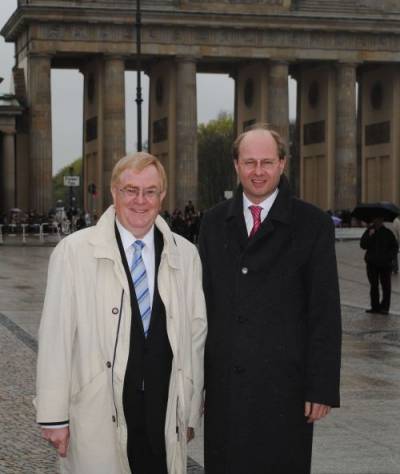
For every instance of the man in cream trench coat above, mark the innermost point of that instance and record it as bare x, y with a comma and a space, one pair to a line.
89, 326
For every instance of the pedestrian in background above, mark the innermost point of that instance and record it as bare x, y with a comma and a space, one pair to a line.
381, 248
395, 228
273, 348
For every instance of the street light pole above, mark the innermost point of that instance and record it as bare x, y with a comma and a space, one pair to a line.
139, 99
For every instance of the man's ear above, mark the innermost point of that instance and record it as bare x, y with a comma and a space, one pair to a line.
283, 162
113, 193
162, 196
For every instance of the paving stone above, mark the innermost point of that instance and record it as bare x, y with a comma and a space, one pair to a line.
362, 437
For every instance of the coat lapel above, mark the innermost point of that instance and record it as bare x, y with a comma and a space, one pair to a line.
106, 247
236, 233
156, 303
280, 213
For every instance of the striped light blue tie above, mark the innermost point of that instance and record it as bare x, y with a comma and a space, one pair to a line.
139, 278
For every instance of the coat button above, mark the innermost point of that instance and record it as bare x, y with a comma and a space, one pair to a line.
113, 418
245, 270
108, 364
238, 370
115, 310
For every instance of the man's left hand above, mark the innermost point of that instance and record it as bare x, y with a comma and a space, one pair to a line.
189, 434
315, 411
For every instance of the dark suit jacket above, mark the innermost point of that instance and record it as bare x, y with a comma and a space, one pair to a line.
274, 334
149, 359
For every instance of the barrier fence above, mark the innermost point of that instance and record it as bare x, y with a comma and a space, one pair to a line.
19, 233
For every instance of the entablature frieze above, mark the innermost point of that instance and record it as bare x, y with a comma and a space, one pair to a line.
224, 42
280, 19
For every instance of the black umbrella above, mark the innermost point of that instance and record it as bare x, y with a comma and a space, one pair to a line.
369, 211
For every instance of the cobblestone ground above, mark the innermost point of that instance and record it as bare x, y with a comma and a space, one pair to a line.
21, 448
360, 438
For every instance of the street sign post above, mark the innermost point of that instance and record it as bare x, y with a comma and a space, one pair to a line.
72, 181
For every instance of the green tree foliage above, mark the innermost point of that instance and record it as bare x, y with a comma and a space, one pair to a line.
61, 192
216, 171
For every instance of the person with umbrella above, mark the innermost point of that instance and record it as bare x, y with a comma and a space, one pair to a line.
395, 228
381, 247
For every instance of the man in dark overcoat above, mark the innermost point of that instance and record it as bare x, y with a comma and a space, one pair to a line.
272, 361
381, 249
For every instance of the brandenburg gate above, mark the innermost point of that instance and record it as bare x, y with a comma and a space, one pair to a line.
345, 57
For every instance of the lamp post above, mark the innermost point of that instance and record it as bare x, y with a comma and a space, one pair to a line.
139, 99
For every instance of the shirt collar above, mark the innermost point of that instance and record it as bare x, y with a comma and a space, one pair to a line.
265, 205
127, 238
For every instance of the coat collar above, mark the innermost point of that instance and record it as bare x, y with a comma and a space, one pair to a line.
105, 244
170, 247
280, 211
103, 238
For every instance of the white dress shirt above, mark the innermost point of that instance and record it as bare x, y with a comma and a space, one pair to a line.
265, 205
148, 253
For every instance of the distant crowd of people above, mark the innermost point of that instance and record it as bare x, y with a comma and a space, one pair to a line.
57, 220
186, 223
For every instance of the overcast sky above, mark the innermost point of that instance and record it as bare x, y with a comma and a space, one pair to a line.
215, 93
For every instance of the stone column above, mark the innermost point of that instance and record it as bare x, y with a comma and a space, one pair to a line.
40, 150
278, 99
8, 169
186, 133
346, 137
113, 120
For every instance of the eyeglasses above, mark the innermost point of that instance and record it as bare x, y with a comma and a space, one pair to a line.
150, 194
251, 164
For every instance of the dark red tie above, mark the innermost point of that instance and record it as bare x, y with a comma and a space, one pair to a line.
256, 213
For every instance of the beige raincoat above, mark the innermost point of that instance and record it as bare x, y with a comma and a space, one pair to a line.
84, 340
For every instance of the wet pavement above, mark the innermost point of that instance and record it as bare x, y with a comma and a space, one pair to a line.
362, 437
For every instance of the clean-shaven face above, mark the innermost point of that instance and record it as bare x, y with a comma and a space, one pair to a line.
137, 199
258, 167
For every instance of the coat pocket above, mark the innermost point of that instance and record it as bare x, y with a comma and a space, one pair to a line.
92, 428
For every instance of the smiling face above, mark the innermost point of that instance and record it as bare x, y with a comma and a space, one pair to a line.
258, 166
138, 213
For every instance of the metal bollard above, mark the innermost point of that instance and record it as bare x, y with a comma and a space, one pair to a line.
41, 233
12, 230
24, 226
1, 233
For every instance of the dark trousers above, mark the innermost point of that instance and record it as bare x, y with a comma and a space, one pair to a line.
144, 457
383, 276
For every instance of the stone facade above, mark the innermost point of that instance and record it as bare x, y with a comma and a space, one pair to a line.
10, 113
261, 41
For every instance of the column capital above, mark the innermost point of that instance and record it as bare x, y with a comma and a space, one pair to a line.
186, 58
347, 64
39, 55
113, 57
8, 131
278, 62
